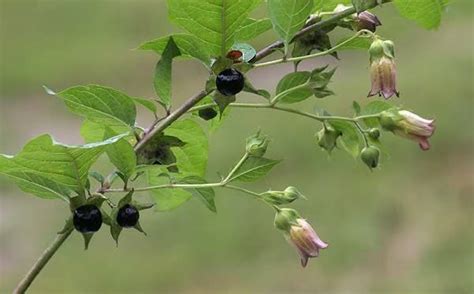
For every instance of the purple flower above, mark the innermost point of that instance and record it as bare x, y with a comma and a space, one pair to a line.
409, 125
367, 21
306, 240
383, 73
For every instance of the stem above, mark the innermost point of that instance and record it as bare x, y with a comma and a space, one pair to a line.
41, 262
236, 167
319, 54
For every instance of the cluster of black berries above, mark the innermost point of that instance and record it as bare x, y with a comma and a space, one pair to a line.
88, 218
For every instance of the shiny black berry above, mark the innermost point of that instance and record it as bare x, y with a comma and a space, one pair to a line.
128, 216
207, 113
229, 82
87, 218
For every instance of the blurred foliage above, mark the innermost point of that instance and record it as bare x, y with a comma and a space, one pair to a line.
404, 227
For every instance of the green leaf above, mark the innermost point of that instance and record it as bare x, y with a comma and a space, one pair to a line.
165, 199
253, 169
52, 170
294, 88
222, 101
95, 132
252, 28
360, 42
122, 155
188, 45
162, 80
288, 17
350, 139
191, 158
101, 105
206, 195
426, 13
328, 5
214, 22
147, 103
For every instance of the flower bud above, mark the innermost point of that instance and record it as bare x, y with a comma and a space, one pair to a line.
382, 69
287, 196
374, 133
327, 138
366, 21
408, 125
370, 156
257, 145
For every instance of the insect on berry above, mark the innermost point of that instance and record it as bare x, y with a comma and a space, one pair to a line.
87, 218
230, 82
127, 216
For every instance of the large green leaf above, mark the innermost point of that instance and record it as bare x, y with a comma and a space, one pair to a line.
189, 46
294, 87
191, 158
95, 132
206, 195
350, 139
100, 104
121, 154
214, 22
165, 199
52, 170
426, 13
252, 28
253, 169
288, 17
162, 79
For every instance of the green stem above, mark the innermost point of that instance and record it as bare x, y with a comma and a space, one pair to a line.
319, 54
236, 167
41, 262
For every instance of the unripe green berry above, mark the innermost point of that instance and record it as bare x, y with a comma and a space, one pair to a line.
370, 156
374, 133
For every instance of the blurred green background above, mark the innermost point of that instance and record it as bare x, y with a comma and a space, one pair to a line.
404, 228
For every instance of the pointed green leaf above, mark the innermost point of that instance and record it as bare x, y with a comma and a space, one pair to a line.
188, 45
52, 170
162, 80
214, 22
252, 28
100, 105
253, 169
426, 13
165, 199
294, 88
288, 17
191, 158
206, 195
350, 139
95, 132
122, 155
147, 103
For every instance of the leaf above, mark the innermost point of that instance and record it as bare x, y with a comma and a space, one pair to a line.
360, 42
249, 87
288, 17
162, 80
253, 169
222, 101
374, 107
52, 170
188, 45
101, 105
206, 195
252, 28
356, 107
293, 88
165, 199
147, 103
426, 13
95, 132
328, 5
122, 155
350, 139
191, 158
214, 22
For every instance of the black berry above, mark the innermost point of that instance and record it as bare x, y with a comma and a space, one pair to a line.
87, 218
127, 216
207, 113
229, 82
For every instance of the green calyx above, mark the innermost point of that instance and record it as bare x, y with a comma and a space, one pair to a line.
285, 218
327, 138
256, 145
370, 156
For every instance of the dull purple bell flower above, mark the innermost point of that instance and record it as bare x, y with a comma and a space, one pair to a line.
367, 21
382, 69
409, 125
300, 233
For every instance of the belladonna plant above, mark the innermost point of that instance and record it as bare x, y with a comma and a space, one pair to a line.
168, 158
